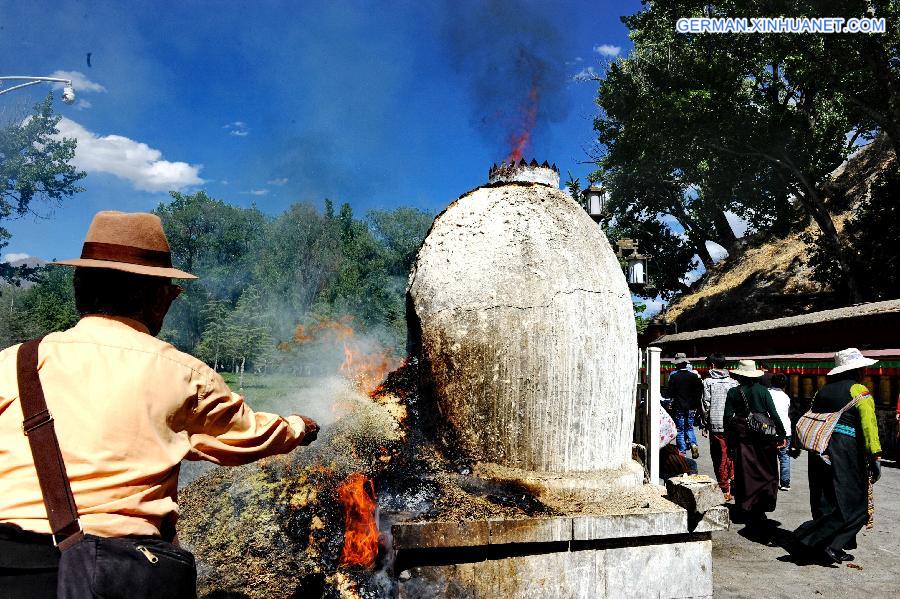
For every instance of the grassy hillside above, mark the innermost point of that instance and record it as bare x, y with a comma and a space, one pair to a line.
771, 277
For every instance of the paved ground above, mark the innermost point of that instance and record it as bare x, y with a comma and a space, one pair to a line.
744, 568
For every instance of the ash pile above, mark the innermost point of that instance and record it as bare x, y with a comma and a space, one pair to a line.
316, 523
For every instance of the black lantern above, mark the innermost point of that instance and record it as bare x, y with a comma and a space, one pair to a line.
594, 199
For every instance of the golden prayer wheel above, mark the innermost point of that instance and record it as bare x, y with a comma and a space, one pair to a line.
808, 389
821, 381
795, 385
884, 390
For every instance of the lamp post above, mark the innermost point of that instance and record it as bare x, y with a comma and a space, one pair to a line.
68, 95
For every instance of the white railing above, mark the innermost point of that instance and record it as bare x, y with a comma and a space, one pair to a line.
652, 408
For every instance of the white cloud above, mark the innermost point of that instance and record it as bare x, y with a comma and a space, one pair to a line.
79, 81
280, 181
127, 159
82, 104
716, 251
12, 257
256, 192
238, 128
585, 74
607, 50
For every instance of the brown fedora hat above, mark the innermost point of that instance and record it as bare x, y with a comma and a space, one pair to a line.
128, 241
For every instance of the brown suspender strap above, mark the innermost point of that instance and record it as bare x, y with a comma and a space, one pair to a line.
48, 461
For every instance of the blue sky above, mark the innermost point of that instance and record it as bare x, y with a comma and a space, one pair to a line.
379, 104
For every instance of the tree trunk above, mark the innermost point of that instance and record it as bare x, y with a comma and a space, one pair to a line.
725, 235
892, 130
241, 378
879, 62
696, 237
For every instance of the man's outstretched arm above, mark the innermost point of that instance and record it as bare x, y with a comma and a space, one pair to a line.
224, 430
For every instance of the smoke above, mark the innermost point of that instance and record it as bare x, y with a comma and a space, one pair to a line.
326, 374
512, 55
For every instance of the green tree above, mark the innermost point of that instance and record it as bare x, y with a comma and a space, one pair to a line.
15, 325
246, 334
573, 185
35, 164
301, 255
217, 242
400, 232
872, 238
49, 305
862, 68
696, 125
213, 345
361, 286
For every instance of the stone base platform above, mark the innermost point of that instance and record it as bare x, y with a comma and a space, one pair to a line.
654, 549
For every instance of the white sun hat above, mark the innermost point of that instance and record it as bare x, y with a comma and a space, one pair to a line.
748, 369
849, 359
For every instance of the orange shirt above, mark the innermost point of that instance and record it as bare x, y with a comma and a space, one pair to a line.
127, 409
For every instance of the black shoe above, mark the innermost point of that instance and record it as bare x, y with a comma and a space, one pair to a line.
844, 556
830, 557
784, 488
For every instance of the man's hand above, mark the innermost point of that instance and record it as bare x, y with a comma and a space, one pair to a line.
875, 469
312, 430
704, 432
782, 444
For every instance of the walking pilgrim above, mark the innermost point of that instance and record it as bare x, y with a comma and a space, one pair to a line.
109, 412
715, 390
755, 433
776, 384
685, 390
841, 434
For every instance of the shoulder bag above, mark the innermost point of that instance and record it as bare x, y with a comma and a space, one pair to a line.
758, 422
814, 429
92, 566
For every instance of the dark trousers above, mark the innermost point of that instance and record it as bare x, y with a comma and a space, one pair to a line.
28, 565
816, 473
27, 583
842, 499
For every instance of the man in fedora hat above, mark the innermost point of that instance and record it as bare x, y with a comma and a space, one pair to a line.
127, 408
839, 485
685, 390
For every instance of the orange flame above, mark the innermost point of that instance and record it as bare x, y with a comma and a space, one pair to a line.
357, 496
367, 369
519, 141
340, 329
366, 363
